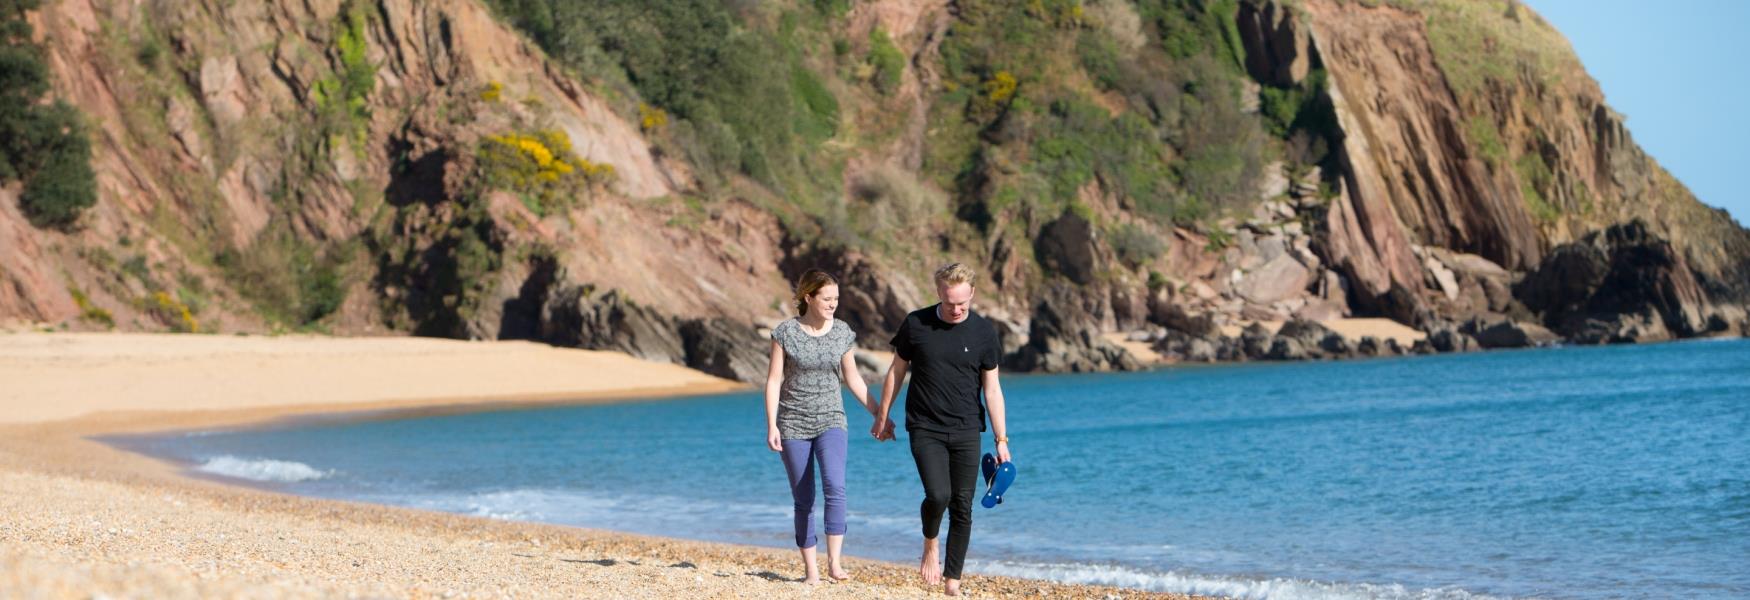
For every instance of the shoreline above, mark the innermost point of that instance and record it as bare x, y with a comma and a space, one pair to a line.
97, 518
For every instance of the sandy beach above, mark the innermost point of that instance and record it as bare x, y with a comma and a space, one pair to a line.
83, 519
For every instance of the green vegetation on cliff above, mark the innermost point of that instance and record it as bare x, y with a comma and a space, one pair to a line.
43, 145
1035, 103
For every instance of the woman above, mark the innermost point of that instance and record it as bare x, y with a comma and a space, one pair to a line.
805, 417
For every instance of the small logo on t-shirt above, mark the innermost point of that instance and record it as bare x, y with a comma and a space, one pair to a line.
965, 349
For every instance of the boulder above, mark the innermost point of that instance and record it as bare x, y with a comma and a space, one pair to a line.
1178, 346
1320, 310
1277, 279
1621, 329
1508, 333
1177, 318
1310, 334
1285, 348
1255, 341
1368, 346
1334, 345
1450, 339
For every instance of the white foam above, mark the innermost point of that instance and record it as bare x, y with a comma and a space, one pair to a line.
1213, 585
667, 515
261, 469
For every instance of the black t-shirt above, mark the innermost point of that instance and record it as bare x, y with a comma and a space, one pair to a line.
947, 360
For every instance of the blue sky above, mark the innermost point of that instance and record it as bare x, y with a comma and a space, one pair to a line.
1673, 67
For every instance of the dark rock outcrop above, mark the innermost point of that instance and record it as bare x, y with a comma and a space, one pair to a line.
1178, 346
579, 317
1064, 338
1066, 246
1445, 337
576, 316
1278, 49
726, 348
1620, 284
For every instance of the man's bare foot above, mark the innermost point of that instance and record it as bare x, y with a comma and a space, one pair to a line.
951, 587
930, 567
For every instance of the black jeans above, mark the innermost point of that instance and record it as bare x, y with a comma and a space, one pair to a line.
948, 466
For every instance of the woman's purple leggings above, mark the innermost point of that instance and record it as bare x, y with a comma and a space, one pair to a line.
799, 457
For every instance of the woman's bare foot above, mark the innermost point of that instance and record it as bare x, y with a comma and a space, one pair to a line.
951, 587
930, 567
834, 549
812, 576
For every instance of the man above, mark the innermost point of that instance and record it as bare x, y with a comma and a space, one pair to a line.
952, 355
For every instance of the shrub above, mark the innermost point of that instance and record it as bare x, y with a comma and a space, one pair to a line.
63, 184
888, 61
540, 167
1135, 246
287, 280
171, 312
341, 99
820, 120
89, 312
890, 200
1080, 142
650, 118
1099, 56
42, 144
1288, 109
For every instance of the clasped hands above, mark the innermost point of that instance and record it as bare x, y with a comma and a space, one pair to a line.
882, 430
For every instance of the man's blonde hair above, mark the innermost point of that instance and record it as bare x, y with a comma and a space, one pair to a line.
953, 274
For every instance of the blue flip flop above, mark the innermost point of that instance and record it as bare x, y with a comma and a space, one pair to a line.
997, 480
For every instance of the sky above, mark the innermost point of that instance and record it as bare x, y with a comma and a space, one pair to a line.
1673, 68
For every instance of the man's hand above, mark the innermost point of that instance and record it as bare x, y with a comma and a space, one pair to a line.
774, 441
888, 434
1002, 452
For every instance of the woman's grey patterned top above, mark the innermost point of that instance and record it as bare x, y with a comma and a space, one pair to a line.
809, 402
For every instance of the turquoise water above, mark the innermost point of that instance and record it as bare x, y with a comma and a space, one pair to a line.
1569, 473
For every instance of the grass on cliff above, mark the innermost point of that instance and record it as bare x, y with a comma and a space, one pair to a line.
1477, 41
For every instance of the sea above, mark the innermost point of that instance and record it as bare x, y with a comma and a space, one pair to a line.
1580, 472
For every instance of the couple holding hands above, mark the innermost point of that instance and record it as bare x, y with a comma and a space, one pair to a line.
951, 354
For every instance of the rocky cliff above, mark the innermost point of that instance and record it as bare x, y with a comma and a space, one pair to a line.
1189, 175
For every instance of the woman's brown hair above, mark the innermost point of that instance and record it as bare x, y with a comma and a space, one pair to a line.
808, 284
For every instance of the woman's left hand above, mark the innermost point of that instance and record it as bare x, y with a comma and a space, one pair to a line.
1002, 452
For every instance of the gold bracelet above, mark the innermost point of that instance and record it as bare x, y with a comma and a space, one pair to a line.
1002, 440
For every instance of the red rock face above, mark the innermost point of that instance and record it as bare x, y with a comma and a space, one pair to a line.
1405, 143
1414, 175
